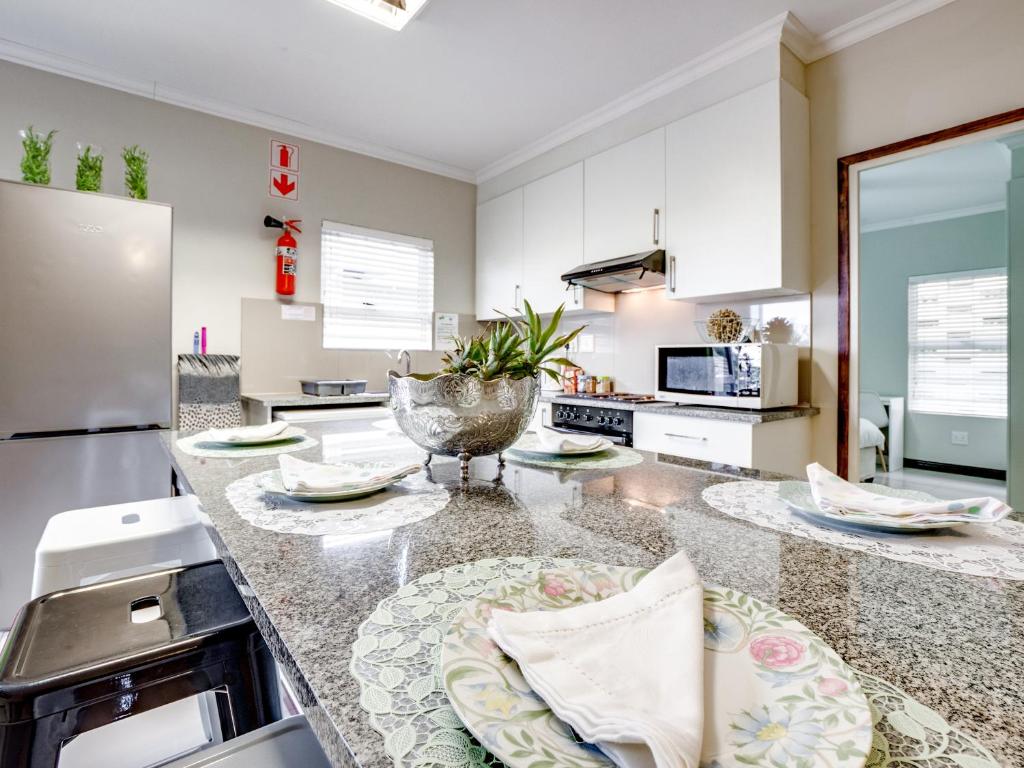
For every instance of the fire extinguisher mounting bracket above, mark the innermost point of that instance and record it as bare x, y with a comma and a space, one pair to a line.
272, 223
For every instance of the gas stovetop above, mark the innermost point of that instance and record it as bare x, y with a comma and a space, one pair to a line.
616, 397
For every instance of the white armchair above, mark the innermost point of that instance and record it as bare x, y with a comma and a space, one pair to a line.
873, 418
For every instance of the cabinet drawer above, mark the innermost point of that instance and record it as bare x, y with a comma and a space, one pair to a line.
723, 442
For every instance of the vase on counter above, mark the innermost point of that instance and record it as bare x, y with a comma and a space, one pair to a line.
462, 415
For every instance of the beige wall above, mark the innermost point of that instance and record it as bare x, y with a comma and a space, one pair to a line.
961, 62
214, 172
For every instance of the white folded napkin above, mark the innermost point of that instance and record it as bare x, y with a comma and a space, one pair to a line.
559, 442
245, 434
627, 673
307, 477
833, 494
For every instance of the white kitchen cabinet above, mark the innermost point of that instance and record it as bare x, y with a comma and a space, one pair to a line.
774, 446
738, 196
553, 244
624, 198
499, 255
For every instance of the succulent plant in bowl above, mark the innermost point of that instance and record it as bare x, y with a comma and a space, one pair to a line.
482, 400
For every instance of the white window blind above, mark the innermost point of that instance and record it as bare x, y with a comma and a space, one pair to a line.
957, 343
377, 289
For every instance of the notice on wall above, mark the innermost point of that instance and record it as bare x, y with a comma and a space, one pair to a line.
306, 312
284, 170
446, 328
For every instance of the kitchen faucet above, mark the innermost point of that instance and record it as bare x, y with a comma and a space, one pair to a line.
408, 360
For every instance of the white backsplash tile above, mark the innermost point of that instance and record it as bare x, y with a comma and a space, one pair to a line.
624, 341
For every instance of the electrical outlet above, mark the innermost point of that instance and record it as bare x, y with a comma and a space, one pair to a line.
959, 438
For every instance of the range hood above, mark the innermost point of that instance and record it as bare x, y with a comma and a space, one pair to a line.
641, 270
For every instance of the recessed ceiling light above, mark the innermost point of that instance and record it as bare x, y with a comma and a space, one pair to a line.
393, 14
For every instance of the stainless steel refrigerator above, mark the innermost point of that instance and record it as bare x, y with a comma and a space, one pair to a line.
85, 362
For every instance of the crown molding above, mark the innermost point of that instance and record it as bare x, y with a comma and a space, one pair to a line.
929, 218
785, 28
738, 48
79, 70
869, 25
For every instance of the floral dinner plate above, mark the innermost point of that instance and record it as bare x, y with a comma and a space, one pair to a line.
288, 434
797, 496
775, 693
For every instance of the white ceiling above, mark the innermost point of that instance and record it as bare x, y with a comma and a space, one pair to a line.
953, 182
464, 85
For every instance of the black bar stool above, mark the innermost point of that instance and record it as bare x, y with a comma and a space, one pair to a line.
86, 657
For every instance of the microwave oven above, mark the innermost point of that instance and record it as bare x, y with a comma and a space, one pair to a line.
732, 375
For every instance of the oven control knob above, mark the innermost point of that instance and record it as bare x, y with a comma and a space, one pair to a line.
617, 421
589, 417
560, 414
601, 419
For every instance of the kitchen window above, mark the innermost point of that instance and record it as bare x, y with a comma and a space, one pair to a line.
377, 288
957, 343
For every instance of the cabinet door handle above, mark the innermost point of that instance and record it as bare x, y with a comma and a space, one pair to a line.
518, 299
686, 437
672, 274
577, 294
657, 225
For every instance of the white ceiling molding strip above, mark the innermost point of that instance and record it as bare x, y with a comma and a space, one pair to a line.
869, 25
928, 218
738, 48
785, 28
68, 67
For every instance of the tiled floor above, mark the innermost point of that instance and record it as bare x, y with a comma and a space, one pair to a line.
943, 485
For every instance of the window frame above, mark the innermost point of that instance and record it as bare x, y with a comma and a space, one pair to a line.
912, 347
421, 243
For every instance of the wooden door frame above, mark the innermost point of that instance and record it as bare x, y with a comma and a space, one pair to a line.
845, 168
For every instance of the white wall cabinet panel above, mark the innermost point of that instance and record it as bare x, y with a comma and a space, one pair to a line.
553, 243
737, 190
624, 198
499, 255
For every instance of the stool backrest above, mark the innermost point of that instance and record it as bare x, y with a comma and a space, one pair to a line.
208, 392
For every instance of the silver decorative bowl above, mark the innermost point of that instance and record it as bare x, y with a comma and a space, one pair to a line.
459, 415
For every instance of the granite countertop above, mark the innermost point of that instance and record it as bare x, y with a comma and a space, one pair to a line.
297, 399
954, 642
742, 415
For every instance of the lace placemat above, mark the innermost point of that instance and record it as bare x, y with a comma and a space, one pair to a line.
614, 458
195, 446
396, 661
413, 499
978, 550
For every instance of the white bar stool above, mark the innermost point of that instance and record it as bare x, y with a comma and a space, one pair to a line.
285, 744
86, 546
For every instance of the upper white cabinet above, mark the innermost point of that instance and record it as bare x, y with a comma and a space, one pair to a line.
624, 198
738, 194
499, 255
553, 243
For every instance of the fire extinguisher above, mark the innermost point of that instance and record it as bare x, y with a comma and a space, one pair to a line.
287, 253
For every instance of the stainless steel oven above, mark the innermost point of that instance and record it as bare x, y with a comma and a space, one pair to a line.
733, 375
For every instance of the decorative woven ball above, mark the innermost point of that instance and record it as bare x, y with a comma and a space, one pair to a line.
725, 326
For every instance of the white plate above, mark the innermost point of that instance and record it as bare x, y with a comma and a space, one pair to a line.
530, 443
272, 484
289, 433
775, 694
797, 496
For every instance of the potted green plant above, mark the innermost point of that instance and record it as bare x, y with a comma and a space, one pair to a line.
35, 163
89, 172
136, 172
482, 400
